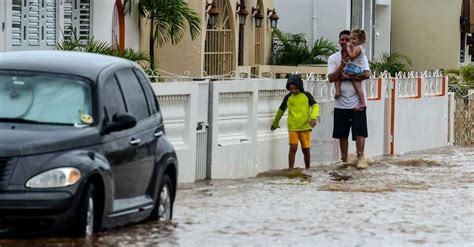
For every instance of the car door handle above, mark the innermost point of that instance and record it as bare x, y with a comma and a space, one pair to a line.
135, 142
158, 134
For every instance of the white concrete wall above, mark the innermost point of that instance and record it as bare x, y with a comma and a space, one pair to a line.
102, 13
178, 103
242, 144
421, 122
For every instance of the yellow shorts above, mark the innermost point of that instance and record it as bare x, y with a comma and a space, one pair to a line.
303, 136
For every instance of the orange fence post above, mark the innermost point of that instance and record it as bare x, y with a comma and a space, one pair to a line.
392, 119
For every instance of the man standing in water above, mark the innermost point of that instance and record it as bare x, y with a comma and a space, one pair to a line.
346, 117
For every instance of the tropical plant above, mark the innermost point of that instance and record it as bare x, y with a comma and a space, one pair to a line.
168, 20
463, 81
293, 49
322, 49
101, 47
391, 62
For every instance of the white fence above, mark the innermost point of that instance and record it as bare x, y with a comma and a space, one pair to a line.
404, 114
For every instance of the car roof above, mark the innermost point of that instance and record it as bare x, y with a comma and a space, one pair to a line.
82, 64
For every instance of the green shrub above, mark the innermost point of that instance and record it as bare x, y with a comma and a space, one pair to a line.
293, 49
391, 62
450, 71
467, 72
102, 47
462, 82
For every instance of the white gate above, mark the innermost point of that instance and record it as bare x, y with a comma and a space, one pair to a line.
202, 171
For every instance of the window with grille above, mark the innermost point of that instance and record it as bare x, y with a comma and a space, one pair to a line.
34, 24
219, 52
77, 19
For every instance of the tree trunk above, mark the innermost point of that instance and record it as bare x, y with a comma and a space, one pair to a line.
152, 45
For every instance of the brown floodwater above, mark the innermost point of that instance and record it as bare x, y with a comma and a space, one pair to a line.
415, 199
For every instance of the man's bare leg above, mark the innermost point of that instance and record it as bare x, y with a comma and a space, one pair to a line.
360, 146
344, 146
292, 155
307, 157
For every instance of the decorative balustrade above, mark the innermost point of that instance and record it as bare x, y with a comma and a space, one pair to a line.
174, 115
233, 117
268, 103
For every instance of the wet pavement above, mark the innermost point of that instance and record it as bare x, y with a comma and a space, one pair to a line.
416, 199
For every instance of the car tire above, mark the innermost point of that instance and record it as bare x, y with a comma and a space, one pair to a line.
163, 210
86, 222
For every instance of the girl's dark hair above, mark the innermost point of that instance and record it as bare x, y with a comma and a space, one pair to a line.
360, 33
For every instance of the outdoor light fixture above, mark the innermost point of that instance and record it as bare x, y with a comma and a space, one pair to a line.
257, 15
213, 12
242, 12
273, 17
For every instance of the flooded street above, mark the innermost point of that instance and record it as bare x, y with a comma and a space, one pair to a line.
422, 198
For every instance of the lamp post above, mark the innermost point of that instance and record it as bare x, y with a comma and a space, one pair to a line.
273, 17
257, 15
213, 12
242, 12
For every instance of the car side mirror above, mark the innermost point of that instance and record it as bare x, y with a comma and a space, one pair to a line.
120, 121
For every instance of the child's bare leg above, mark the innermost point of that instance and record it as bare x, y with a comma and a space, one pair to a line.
292, 155
337, 86
360, 93
307, 157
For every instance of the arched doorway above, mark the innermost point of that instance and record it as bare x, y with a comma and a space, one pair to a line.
219, 51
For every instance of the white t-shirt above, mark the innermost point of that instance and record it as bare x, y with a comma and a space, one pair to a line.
349, 98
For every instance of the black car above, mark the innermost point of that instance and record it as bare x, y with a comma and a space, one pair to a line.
82, 145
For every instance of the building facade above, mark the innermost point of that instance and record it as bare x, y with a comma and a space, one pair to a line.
223, 47
41, 24
429, 32
326, 18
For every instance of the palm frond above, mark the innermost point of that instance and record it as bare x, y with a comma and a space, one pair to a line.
101, 47
391, 62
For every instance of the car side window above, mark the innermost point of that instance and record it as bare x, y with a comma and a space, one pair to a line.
133, 93
152, 102
113, 98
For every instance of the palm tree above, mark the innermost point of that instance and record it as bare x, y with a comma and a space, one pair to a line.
168, 20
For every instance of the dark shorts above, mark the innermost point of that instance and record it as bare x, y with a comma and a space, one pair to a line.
347, 119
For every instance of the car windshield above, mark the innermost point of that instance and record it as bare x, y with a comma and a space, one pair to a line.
32, 97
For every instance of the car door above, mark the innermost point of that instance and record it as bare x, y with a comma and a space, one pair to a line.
137, 105
117, 148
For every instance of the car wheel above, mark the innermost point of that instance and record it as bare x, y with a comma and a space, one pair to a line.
85, 217
163, 210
